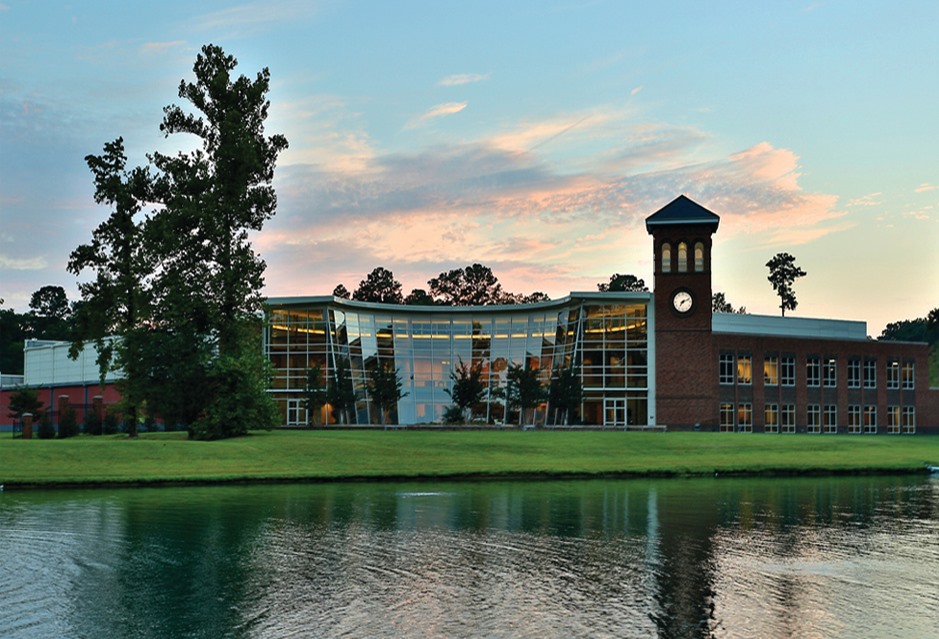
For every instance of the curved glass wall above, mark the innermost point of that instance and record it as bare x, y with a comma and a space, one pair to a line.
604, 336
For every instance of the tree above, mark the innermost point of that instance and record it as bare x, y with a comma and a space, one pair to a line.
782, 273
314, 394
49, 314
340, 392
385, 389
474, 285
116, 301
524, 390
419, 297
209, 278
379, 286
517, 298
25, 400
467, 387
565, 392
341, 292
619, 283
14, 330
719, 304
68, 423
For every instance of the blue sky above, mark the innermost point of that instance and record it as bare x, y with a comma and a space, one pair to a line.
533, 137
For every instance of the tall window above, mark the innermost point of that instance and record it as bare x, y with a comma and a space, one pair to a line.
830, 372
831, 418
893, 374
854, 418
787, 370
666, 258
744, 369
771, 370
745, 418
870, 418
727, 417
893, 419
908, 425
698, 257
870, 373
726, 368
812, 371
682, 257
906, 375
787, 418
814, 423
771, 418
854, 373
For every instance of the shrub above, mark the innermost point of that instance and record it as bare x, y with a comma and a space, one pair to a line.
453, 415
92, 423
112, 424
68, 424
46, 430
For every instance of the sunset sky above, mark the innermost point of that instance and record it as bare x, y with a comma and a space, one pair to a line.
533, 137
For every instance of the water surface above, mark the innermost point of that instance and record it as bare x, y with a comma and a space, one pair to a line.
845, 557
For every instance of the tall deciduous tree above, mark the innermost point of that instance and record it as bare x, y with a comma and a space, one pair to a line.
524, 390
385, 389
467, 387
565, 393
379, 286
340, 391
782, 273
620, 283
314, 394
209, 277
116, 301
474, 285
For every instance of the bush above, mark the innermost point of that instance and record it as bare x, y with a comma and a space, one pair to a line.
92, 423
68, 424
453, 415
112, 424
46, 430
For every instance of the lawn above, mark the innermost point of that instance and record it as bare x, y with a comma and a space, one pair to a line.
328, 455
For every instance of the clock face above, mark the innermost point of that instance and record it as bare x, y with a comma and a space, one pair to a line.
682, 301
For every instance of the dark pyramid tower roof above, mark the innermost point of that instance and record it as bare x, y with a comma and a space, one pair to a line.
682, 211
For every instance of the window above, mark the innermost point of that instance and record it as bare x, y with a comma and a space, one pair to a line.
893, 374
296, 412
787, 418
771, 370
870, 373
854, 373
893, 418
812, 371
726, 368
771, 418
870, 418
745, 418
854, 418
682, 257
698, 257
666, 258
814, 423
831, 418
787, 371
727, 417
906, 375
908, 425
744, 369
830, 372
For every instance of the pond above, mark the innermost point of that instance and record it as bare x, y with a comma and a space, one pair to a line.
813, 557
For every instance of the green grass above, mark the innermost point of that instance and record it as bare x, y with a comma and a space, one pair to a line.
310, 455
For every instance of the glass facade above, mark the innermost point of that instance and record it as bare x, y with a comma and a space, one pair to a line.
605, 336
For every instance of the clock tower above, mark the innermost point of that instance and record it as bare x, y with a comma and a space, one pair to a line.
686, 367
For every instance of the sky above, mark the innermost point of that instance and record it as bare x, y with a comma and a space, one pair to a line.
533, 137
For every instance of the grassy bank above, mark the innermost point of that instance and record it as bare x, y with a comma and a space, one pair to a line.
312, 455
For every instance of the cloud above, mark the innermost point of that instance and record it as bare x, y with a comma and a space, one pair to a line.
255, 15
439, 111
925, 186
157, 48
462, 78
871, 199
23, 264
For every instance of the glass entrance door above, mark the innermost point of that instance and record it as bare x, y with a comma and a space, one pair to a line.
614, 412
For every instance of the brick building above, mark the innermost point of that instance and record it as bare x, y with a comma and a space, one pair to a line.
755, 373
